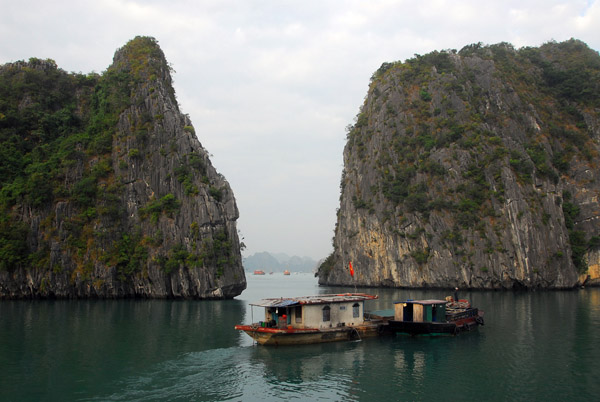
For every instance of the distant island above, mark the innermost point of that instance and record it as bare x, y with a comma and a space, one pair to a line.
278, 262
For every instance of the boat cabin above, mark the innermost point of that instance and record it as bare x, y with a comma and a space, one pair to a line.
420, 311
322, 311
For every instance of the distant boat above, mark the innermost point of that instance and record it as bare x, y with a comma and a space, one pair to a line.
313, 319
286, 272
259, 272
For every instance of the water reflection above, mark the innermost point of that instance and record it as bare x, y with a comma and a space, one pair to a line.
323, 371
292, 365
410, 364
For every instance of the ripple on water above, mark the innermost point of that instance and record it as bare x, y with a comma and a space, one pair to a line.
211, 375
239, 373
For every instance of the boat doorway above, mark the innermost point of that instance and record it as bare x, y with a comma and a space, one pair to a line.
407, 312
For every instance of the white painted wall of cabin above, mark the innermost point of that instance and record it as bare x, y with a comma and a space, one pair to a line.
313, 315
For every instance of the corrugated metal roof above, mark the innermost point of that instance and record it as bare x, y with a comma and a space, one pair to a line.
423, 301
275, 303
318, 299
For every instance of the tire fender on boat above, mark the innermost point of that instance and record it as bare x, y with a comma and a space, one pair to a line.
479, 320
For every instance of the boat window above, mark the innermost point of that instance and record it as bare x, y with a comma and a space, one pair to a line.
298, 314
326, 313
356, 310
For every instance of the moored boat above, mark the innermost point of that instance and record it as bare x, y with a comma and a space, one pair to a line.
259, 272
434, 317
313, 319
286, 272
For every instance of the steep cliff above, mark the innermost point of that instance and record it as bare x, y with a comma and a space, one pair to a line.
106, 191
476, 169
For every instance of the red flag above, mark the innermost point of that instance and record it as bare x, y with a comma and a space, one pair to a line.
351, 269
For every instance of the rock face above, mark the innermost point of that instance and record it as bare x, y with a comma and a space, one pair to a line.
128, 205
476, 169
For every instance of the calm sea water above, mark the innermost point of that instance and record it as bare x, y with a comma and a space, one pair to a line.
542, 346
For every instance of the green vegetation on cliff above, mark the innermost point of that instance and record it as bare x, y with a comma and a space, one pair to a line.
468, 155
72, 145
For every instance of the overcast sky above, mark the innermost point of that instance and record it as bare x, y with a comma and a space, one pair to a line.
271, 85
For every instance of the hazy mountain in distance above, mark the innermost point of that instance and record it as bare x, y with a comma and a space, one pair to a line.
278, 262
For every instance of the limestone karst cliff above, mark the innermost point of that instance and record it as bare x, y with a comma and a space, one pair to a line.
476, 169
106, 190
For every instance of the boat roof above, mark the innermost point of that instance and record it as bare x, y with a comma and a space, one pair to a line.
318, 299
424, 302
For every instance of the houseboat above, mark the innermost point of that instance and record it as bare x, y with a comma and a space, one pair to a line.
313, 319
434, 317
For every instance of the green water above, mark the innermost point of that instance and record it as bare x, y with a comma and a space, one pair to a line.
541, 346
